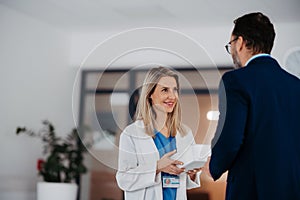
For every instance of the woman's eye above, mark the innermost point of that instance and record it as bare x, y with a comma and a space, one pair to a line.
164, 90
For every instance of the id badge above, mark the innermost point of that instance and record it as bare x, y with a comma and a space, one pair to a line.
170, 182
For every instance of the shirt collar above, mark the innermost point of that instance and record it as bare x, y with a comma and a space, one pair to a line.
256, 56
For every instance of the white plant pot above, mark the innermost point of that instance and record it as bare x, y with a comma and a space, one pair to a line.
57, 191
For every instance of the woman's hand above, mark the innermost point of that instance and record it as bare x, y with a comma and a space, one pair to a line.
168, 165
192, 173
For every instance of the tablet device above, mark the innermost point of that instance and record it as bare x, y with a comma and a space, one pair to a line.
193, 157
195, 164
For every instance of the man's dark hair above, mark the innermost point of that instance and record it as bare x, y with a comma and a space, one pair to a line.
257, 30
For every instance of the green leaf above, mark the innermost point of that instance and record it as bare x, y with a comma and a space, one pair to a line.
20, 129
64, 157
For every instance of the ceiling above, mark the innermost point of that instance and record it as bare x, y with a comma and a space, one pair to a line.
75, 15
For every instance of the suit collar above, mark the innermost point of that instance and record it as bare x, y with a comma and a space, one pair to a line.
257, 56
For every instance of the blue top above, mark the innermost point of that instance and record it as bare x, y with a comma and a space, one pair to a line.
165, 145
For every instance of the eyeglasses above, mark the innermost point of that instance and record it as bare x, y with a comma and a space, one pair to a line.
228, 46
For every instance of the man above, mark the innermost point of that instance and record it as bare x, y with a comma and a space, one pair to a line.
258, 135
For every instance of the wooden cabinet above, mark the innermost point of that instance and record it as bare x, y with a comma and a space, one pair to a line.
103, 186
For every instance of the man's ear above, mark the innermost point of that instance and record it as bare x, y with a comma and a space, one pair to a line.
240, 43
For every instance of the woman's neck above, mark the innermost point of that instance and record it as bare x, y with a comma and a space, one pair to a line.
161, 124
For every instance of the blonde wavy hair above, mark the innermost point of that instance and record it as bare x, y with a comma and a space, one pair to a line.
145, 111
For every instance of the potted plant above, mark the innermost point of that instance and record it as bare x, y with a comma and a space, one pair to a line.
62, 165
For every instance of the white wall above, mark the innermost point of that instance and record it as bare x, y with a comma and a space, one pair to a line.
168, 46
35, 83
38, 69
203, 45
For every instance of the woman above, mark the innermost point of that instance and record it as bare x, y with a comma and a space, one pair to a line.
146, 169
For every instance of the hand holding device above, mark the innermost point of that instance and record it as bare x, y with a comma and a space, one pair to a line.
168, 165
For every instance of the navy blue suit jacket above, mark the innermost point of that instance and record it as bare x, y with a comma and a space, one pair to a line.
258, 135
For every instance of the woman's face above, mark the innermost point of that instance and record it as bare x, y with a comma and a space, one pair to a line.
165, 95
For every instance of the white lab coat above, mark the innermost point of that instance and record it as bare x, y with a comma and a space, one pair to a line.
138, 157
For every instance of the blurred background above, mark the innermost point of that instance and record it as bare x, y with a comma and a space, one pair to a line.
63, 60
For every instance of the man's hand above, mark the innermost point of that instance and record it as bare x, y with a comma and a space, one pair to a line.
192, 173
206, 168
